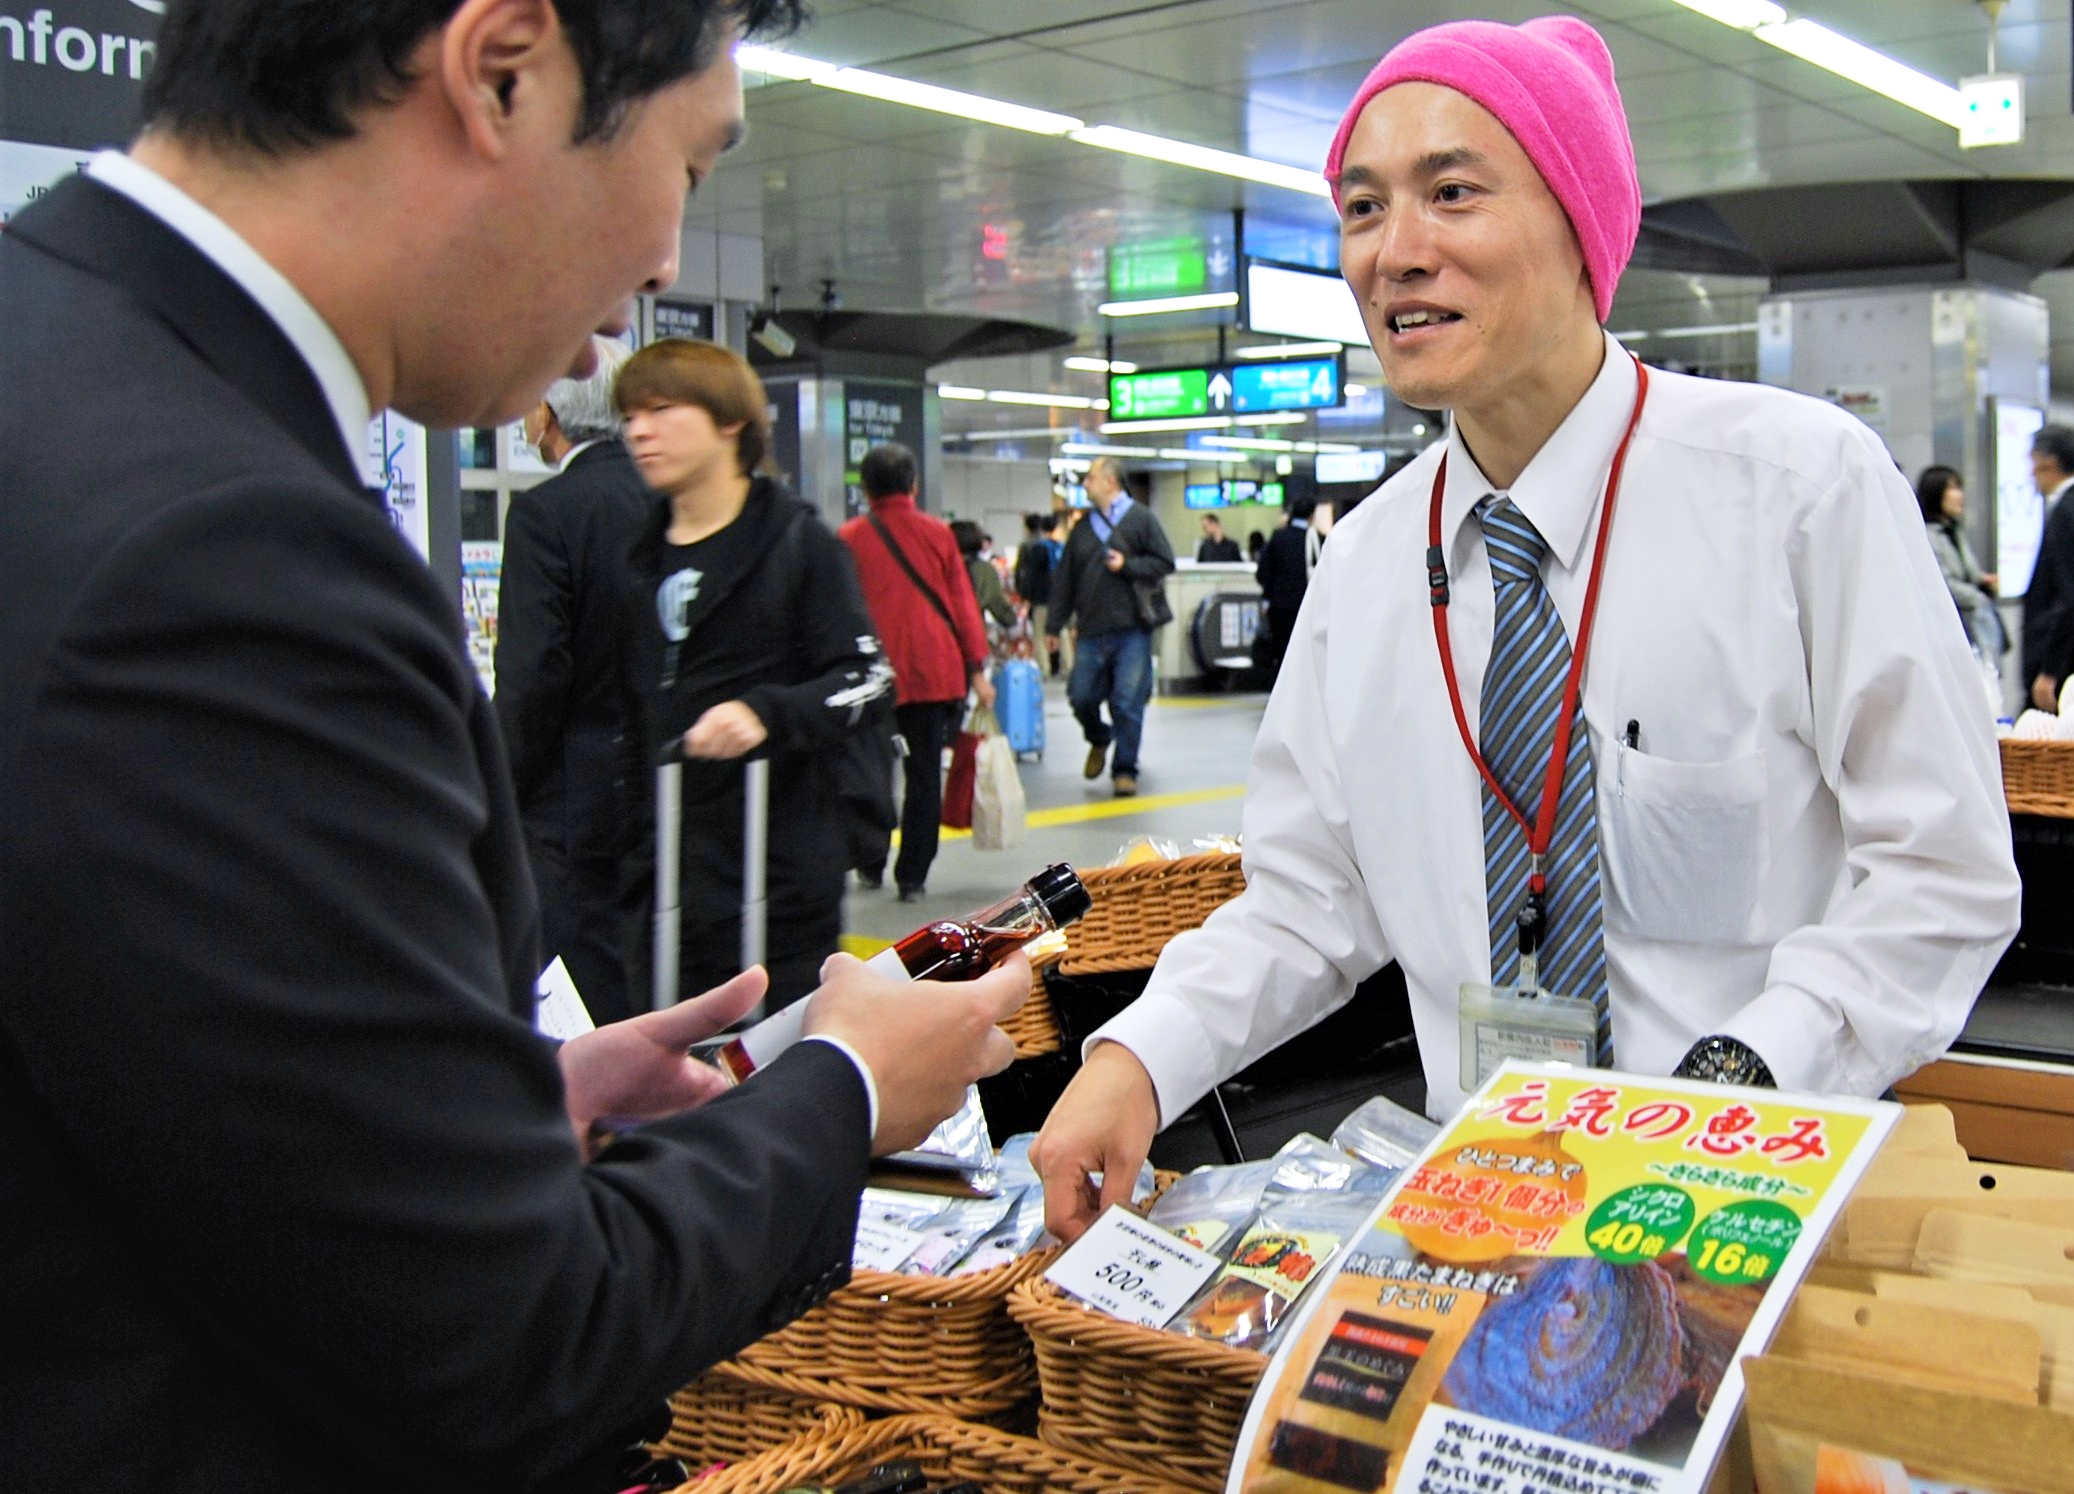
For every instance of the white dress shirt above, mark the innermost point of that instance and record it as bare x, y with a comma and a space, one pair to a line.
1810, 850
288, 308
312, 337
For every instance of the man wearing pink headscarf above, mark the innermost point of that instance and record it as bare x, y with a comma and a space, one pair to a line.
1778, 851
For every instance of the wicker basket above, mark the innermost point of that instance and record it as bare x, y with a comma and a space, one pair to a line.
2038, 777
1137, 909
1135, 1396
904, 1343
715, 1420
949, 1451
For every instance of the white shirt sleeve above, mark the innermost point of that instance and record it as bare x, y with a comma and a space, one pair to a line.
1290, 949
1901, 735
871, 1085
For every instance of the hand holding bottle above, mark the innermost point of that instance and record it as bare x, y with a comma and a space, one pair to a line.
924, 1041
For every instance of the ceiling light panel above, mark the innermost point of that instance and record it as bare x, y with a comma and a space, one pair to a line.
1290, 350
1203, 158
1160, 305
1100, 365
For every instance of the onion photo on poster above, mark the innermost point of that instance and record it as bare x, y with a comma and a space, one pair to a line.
1623, 1357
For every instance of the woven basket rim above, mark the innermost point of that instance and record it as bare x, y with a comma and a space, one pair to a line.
1047, 1313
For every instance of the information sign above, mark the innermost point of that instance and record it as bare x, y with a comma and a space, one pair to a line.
1294, 384
1158, 267
1162, 394
1235, 388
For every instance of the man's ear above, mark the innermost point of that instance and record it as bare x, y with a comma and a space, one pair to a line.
494, 61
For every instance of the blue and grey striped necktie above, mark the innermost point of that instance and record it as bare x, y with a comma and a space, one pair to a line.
1522, 698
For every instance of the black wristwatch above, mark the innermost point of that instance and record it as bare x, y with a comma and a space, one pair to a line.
1723, 1060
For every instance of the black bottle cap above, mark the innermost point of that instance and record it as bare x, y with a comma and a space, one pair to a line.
1063, 894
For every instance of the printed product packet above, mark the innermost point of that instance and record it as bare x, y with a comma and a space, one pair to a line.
1385, 1134
956, 1228
889, 1227
1307, 1165
1286, 1248
1012, 1239
1212, 1205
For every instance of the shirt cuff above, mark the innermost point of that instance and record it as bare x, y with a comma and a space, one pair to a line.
1165, 1035
871, 1087
1799, 1038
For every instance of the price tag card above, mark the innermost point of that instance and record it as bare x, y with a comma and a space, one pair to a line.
1132, 1270
558, 1011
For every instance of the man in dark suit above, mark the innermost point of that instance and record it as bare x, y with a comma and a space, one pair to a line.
1284, 574
558, 636
2048, 655
292, 1197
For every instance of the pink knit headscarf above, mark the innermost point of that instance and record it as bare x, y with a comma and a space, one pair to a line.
1549, 82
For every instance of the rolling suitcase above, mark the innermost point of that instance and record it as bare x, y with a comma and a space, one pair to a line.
669, 840
1019, 705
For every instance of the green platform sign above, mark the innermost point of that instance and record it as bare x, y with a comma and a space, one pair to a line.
1164, 395
1158, 267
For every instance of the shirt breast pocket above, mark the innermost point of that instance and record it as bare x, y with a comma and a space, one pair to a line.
1682, 847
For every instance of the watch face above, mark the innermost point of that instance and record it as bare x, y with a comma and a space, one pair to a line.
1726, 1061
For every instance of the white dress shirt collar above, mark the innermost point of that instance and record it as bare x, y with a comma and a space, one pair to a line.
1559, 490
572, 454
289, 309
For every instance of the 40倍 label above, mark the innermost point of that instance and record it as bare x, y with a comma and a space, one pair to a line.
1639, 1224
1743, 1242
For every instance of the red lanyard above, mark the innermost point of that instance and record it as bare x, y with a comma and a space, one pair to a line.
1542, 832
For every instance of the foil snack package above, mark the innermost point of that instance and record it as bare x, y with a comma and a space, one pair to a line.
1212, 1205
956, 1228
1385, 1134
1012, 1239
1286, 1248
960, 1144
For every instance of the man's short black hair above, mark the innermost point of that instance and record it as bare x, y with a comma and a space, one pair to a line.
276, 76
2057, 442
887, 469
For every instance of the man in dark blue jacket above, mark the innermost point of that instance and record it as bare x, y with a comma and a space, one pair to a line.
292, 1196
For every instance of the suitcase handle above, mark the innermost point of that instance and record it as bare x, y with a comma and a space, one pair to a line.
669, 848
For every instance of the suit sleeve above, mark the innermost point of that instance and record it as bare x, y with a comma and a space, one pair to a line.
846, 669
2058, 553
274, 1036
535, 662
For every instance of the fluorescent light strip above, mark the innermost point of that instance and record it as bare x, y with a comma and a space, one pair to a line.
1850, 60
1100, 365
1050, 401
1159, 305
1190, 423
959, 391
1184, 454
1289, 350
1098, 448
794, 68
1718, 329
1203, 158
1279, 417
1021, 433
1251, 443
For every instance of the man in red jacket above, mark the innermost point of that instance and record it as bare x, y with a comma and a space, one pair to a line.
921, 601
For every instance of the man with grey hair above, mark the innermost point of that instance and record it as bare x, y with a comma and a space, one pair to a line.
565, 547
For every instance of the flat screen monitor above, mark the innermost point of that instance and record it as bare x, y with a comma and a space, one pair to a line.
1240, 490
1314, 305
1203, 495
1352, 466
2019, 507
1270, 495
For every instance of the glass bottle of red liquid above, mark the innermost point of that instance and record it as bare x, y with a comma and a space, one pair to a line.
954, 949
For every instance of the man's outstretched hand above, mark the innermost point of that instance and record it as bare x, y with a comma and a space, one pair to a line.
639, 1070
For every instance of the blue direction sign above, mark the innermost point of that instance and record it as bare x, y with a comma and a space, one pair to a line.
1296, 384
1229, 389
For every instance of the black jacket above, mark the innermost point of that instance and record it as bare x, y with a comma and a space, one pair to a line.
2049, 602
288, 1197
790, 638
559, 609
1211, 552
1087, 592
1283, 576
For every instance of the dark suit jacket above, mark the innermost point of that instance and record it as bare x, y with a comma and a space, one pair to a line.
558, 641
288, 1199
2049, 602
1282, 577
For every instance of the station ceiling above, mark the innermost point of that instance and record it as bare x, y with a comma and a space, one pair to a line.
907, 210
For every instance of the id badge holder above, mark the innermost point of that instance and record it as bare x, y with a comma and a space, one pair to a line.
1501, 1022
